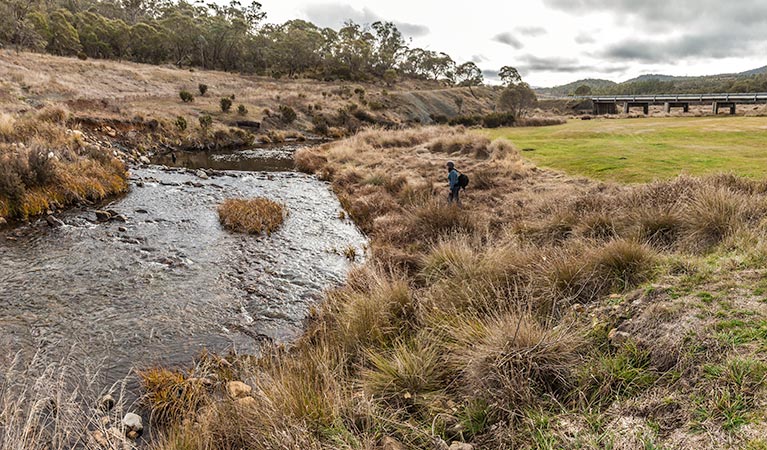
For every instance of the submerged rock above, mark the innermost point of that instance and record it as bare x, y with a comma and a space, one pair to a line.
103, 216
54, 222
106, 403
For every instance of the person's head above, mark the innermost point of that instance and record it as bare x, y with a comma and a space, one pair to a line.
450, 165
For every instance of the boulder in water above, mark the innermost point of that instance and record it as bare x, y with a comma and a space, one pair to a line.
54, 222
201, 174
103, 216
144, 160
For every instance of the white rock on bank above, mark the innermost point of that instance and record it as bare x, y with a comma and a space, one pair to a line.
144, 160
133, 423
201, 174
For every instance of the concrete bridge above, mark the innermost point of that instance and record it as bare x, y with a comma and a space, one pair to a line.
609, 104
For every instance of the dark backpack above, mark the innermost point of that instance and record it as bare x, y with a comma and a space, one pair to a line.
463, 180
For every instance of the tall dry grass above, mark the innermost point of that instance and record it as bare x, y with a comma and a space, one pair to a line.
56, 406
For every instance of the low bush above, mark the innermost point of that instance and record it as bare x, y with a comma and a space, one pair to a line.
181, 123
287, 114
254, 216
496, 120
202, 88
242, 110
226, 104
186, 96
205, 121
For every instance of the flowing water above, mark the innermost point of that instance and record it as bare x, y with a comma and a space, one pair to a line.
170, 281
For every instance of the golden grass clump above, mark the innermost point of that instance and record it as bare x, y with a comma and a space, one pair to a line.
253, 216
172, 395
512, 360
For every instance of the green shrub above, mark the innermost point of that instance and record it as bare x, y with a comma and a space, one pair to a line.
206, 121
320, 124
186, 96
226, 104
242, 110
496, 120
181, 123
288, 114
203, 88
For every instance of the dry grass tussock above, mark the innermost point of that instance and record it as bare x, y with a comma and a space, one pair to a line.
57, 406
44, 165
504, 323
254, 216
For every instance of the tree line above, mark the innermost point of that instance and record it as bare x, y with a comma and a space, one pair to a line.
232, 37
699, 85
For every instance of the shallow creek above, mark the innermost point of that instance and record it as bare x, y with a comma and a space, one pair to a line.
170, 281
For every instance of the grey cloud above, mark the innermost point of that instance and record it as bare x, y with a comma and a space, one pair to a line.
334, 15
688, 46
476, 59
508, 39
671, 12
585, 38
532, 63
532, 31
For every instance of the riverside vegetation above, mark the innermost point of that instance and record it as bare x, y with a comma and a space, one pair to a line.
551, 312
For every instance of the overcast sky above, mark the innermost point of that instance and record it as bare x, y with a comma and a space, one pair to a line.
558, 41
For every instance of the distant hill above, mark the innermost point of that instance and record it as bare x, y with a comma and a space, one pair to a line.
754, 80
751, 72
568, 89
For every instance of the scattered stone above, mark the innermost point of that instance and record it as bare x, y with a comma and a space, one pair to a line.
389, 443
122, 229
107, 402
99, 438
132, 422
142, 211
11, 238
144, 160
3, 221
237, 389
201, 174
455, 445
120, 218
54, 222
133, 435
617, 338
103, 216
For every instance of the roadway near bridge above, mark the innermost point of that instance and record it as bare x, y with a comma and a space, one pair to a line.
609, 104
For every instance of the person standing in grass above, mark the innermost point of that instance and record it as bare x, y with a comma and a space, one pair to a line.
455, 187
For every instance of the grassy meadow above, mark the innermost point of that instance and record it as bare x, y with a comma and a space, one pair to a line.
643, 150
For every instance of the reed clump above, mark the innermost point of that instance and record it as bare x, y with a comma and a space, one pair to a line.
253, 216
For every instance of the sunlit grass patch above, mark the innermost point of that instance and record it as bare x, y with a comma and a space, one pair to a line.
254, 216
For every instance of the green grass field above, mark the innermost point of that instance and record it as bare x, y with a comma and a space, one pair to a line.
641, 150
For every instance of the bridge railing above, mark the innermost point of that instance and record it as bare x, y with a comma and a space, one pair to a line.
723, 97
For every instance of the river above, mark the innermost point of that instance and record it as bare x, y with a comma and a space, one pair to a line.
170, 282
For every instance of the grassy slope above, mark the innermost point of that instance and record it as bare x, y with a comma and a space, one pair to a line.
116, 89
647, 149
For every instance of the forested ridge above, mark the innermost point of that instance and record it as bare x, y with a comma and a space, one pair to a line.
232, 37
